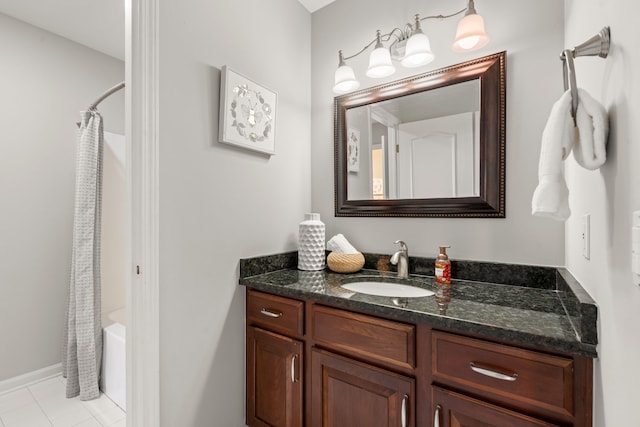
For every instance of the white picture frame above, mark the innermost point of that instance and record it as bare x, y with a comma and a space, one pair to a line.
353, 150
247, 113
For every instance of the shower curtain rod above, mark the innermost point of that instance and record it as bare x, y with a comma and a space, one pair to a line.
106, 95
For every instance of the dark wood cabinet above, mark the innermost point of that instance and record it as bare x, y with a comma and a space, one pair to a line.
347, 393
275, 361
274, 379
309, 364
548, 388
275, 313
452, 409
527, 380
378, 340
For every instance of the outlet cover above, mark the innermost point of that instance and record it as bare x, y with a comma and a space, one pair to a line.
586, 236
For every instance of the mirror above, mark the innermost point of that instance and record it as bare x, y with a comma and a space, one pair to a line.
431, 145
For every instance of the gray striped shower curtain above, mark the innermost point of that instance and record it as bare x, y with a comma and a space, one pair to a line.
82, 347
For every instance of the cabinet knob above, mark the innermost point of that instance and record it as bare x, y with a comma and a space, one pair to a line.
436, 417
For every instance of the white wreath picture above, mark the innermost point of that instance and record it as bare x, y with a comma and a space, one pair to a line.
247, 113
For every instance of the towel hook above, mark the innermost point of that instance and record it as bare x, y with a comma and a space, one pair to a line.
597, 45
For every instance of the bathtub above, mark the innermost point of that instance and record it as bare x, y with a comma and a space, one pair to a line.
113, 372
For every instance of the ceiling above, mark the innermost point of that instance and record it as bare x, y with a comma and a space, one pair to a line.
313, 5
98, 24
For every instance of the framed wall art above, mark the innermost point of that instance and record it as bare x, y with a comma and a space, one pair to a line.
247, 113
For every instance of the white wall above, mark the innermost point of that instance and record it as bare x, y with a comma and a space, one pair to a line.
609, 195
220, 203
532, 35
115, 217
45, 81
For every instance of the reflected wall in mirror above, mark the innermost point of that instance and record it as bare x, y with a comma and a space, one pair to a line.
428, 145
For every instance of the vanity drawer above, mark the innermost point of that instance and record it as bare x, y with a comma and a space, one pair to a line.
525, 379
392, 343
275, 313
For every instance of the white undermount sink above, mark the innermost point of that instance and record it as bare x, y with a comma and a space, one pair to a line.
387, 289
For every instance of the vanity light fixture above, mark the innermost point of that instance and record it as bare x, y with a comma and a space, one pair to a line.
410, 47
470, 34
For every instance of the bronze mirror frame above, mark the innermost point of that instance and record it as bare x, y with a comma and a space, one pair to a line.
490, 203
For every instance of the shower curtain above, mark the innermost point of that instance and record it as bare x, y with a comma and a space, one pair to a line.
82, 347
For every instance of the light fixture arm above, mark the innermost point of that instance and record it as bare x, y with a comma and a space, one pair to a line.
471, 9
452, 15
406, 33
383, 37
410, 46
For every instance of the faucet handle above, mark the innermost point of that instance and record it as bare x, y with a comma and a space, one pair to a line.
403, 245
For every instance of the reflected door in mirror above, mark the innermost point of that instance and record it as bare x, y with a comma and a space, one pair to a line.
437, 158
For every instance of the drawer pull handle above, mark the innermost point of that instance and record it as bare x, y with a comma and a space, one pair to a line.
403, 415
293, 368
436, 417
493, 374
270, 313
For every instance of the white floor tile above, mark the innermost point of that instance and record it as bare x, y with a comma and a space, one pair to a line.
91, 422
121, 423
100, 405
26, 416
45, 405
47, 388
72, 417
57, 405
111, 416
15, 399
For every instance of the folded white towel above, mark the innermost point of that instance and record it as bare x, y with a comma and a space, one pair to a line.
588, 140
339, 244
551, 197
593, 127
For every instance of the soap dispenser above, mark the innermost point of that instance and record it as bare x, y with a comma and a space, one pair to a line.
443, 267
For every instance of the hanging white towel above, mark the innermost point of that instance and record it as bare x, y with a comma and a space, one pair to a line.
589, 149
560, 136
551, 197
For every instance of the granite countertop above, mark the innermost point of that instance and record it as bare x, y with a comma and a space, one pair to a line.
539, 306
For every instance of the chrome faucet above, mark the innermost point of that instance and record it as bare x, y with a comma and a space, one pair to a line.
401, 258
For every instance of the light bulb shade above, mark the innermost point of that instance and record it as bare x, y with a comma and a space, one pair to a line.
380, 64
470, 34
418, 51
345, 80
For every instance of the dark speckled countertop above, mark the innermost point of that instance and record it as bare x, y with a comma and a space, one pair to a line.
539, 306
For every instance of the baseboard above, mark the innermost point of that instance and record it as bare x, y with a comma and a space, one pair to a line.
24, 380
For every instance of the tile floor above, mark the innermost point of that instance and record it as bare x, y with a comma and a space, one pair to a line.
44, 405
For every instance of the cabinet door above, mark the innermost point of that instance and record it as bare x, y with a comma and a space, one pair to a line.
274, 379
526, 380
346, 393
451, 409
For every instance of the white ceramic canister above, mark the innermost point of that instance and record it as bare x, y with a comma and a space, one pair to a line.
311, 244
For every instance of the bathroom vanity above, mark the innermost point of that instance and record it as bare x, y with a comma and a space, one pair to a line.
486, 353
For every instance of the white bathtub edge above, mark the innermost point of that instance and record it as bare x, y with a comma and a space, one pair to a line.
113, 370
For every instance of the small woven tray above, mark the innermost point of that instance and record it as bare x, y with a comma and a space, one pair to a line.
345, 263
